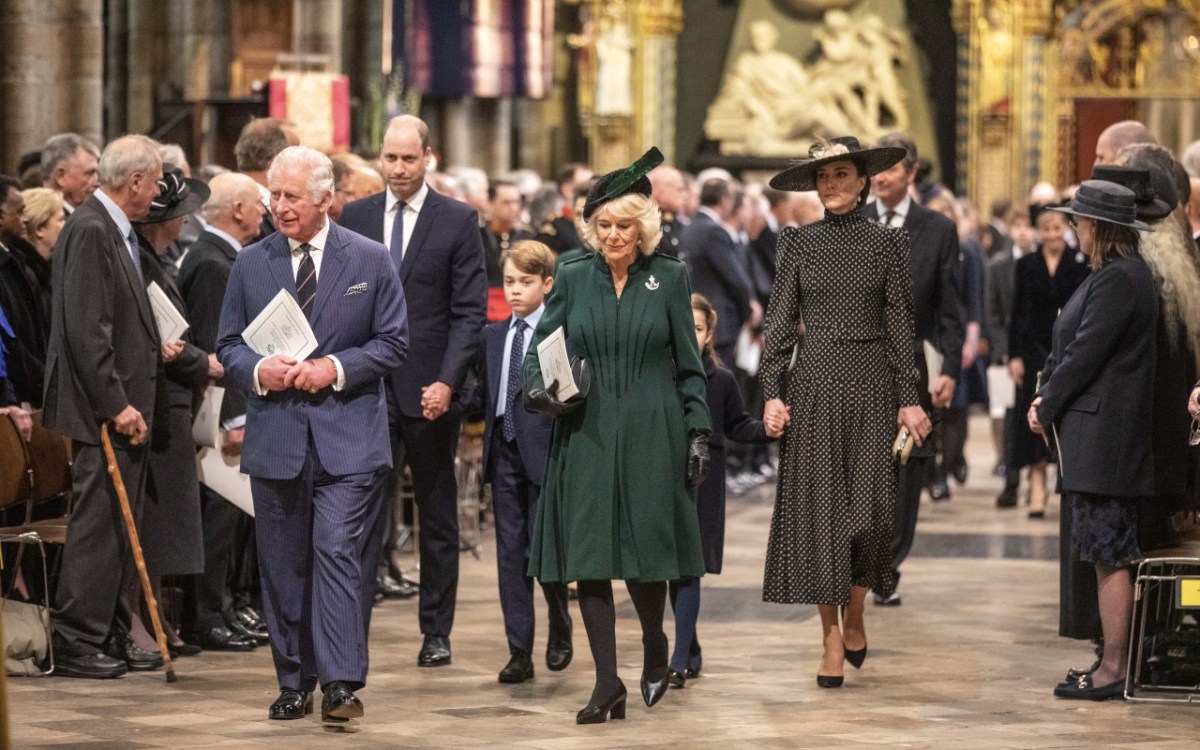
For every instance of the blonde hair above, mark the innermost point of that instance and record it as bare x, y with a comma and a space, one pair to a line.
629, 206
1168, 252
41, 205
531, 257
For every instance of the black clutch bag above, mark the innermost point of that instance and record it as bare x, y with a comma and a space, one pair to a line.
905, 445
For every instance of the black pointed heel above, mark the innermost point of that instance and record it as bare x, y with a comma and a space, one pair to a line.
827, 681
676, 679
654, 659
599, 712
856, 658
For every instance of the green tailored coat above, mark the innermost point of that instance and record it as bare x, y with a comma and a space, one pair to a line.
615, 502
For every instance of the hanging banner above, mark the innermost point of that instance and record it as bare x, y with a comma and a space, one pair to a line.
319, 105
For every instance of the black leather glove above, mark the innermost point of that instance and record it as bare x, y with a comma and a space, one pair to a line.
697, 459
545, 401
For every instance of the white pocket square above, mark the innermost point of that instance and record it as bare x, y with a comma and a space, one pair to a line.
356, 289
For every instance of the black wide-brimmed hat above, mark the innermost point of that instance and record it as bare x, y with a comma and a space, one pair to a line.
1153, 189
1105, 201
177, 196
871, 161
631, 179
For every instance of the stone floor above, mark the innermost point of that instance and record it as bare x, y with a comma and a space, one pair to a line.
969, 660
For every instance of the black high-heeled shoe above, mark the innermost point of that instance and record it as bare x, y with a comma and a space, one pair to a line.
676, 679
829, 681
597, 712
654, 690
856, 658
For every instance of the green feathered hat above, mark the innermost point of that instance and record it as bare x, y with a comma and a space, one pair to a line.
631, 179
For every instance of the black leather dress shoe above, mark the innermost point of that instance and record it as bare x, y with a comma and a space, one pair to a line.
94, 666
247, 621
257, 635
291, 704
339, 703
183, 649
939, 490
390, 588
1007, 498
559, 653
435, 652
222, 639
518, 669
960, 473
121, 646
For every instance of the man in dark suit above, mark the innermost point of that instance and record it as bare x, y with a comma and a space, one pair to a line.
317, 446
936, 317
515, 445
434, 242
998, 309
560, 233
233, 218
716, 270
101, 365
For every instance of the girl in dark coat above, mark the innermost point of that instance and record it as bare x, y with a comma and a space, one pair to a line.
729, 420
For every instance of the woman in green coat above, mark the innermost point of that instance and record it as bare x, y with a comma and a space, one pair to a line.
615, 502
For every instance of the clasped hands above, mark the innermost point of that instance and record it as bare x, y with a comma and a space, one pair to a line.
279, 373
776, 417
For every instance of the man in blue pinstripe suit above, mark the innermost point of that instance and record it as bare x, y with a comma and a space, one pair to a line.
316, 445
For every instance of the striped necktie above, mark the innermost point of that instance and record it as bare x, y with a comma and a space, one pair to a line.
306, 281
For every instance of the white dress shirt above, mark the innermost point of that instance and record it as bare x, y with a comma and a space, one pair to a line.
412, 210
900, 210
122, 222
316, 251
531, 320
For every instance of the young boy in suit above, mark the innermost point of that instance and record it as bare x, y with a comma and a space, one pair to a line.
515, 446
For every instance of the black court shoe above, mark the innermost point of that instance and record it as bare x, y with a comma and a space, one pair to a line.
856, 658
597, 712
828, 681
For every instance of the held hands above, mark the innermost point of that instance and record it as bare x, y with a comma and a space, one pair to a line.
171, 350
776, 417
435, 400
943, 391
916, 421
1032, 416
697, 459
130, 424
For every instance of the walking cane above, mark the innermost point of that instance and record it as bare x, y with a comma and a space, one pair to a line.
115, 472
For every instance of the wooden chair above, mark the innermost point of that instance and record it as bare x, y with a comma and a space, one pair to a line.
32, 474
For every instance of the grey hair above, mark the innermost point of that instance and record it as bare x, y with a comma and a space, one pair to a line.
61, 147
125, 156
227, 189
172, 153
320, 176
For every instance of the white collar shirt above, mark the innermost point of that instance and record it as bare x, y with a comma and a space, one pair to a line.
531, 320
412, 210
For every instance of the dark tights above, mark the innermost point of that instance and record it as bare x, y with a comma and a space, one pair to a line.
600, 621
685, 602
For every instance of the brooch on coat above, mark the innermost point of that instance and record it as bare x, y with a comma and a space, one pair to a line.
652, 284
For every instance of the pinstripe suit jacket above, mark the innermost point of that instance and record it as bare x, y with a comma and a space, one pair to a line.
366, 330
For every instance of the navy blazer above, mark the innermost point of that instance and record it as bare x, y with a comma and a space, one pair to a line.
719, 274
933, 261
533, 429
1098, 384
366, 330
445, 286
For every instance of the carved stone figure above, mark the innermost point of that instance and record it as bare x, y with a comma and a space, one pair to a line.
614, 56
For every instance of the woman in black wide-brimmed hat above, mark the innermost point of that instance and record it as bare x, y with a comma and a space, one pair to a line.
854, 380
1098, 394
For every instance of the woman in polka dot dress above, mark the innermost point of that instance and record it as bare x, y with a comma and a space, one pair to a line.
846, 281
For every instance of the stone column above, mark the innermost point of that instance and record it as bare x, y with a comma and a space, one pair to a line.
147, 62
1034, 84
51, 72
658, 25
